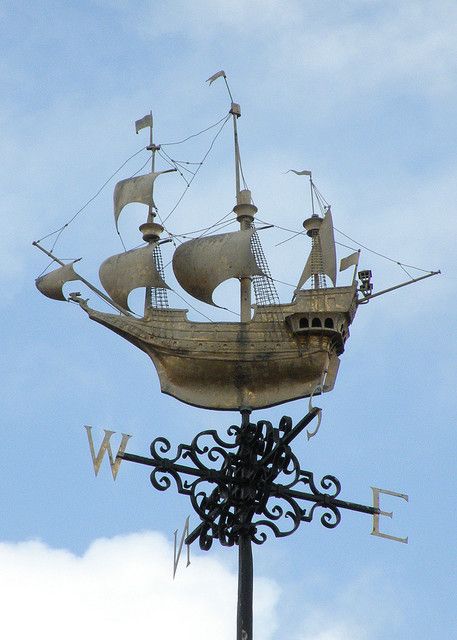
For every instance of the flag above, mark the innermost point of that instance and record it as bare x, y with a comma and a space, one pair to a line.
353, 259
219, 74
143, 122
301, 173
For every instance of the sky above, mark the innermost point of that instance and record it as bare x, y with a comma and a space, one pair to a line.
362, 92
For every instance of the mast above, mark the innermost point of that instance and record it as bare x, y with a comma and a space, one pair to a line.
151, 230
245, 211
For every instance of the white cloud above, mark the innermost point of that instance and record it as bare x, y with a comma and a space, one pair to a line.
352, 612
121, 587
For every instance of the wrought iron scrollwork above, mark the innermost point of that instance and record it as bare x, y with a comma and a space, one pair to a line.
248, 485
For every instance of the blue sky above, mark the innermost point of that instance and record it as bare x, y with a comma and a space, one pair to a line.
362, 92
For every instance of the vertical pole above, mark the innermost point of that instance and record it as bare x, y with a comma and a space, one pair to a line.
245, 565
245, 588
151, 215
235, 115
245, 222
245, 286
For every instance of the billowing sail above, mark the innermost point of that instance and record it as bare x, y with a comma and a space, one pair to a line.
122, 273
138, 189
327, 254
51, 284
201, 265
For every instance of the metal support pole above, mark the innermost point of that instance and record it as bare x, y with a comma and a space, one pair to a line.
245, 588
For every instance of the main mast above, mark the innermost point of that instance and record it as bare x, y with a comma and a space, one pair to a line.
245, 212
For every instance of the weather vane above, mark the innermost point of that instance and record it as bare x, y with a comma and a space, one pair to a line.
247, 484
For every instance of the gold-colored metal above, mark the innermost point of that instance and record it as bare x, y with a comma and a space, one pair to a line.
97, 459
283, 352
236, 365
200, 265
124, 272
388, 514
177, 549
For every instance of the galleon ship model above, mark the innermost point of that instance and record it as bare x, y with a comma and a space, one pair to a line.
275, 352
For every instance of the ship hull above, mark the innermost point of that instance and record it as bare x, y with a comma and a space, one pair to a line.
232, 366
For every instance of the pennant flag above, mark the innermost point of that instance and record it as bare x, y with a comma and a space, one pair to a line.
219, 74
300, 173
347, 262
143, 122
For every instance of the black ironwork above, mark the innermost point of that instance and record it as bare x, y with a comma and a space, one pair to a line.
245, 488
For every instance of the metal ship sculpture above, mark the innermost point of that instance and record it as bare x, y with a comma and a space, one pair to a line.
275, 353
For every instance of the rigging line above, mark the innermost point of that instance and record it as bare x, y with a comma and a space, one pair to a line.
58, 236
178, 236
173, 164
181, 237
93, 197
176, 163
46, 268
319, 194
401, 264
299, 233
221, 226
179, 164
189, 236
190, 305
346, 246
286, 283
352, 239
200, 312
142, 167
194, 135
122, 241
408, 274
182, 161
188, 233
203, 160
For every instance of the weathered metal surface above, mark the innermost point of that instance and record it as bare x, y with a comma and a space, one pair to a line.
138, 189
51, 284
246, 489
202, 264
233, 365
249, 487
326, 246
124, 272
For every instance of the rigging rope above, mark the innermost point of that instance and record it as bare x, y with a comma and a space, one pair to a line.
381, 255
194, 135
60, 229
225, 120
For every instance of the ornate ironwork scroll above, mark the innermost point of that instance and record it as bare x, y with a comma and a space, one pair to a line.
249, 485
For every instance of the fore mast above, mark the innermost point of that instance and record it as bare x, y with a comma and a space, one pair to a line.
151, 230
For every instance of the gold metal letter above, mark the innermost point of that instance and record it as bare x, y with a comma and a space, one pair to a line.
114, 462
389, 514
178, 555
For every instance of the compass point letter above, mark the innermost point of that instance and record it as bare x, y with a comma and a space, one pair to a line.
105, 447
176, 556
388, 514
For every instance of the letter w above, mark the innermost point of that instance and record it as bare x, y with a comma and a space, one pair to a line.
97, 459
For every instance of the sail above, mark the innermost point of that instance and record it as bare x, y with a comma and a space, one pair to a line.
138, 189
51, 284
122, 273
201, 265
326, 247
